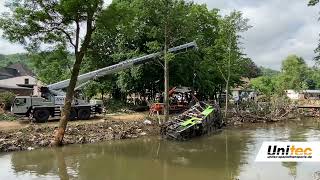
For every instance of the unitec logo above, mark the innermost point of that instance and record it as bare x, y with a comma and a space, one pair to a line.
290, 150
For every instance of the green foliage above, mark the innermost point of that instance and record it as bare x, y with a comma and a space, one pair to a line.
6, 60
264, 84
131, 28
135, 31
314, 78
7, 98
114, 105
225, 55
52, 66
313, 2
7, 117
251, 70
268, 72
34, 23
294, 75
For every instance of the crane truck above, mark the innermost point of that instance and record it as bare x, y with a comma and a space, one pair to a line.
51, 101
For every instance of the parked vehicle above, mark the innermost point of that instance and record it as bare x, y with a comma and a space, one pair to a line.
51, 101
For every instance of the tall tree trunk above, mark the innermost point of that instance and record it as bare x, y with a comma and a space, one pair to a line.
59, 134
166, 78
166, 87
67, 104
227, 100
228, 80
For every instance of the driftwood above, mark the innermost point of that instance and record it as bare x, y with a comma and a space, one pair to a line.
254, 112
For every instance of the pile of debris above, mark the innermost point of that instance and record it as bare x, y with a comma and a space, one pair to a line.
257, 112
35, 136
200, 119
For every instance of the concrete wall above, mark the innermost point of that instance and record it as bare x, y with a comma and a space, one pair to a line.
18, 80
21, 80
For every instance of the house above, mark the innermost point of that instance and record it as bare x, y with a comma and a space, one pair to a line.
243, 92
17, 78
6, 73
303, 94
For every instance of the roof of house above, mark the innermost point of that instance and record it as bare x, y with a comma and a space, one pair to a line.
15, 70
8, 72
22, 69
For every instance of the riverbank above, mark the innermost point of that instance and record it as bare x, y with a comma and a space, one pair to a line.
28, 136
22, 135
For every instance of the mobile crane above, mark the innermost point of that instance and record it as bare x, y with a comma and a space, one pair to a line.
51, 101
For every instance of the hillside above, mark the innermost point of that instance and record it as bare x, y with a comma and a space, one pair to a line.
14, 58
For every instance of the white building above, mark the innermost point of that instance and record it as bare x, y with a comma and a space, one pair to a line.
18, 79
27, 83
303, 94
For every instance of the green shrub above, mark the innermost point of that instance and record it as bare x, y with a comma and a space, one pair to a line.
7, 117
113, 106
7, 98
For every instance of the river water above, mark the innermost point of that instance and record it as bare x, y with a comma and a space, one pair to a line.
228, 155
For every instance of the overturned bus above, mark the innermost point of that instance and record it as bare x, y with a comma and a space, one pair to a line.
200, 119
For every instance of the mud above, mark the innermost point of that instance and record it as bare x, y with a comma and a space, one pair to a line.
37, 136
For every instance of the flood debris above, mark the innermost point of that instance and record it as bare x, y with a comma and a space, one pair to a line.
200, 119
261, 112
35, 136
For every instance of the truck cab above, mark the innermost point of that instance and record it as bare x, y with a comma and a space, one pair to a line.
22, 104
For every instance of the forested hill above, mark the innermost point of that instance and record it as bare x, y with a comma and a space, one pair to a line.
14, 58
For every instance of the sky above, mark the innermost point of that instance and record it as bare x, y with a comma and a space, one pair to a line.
280, 28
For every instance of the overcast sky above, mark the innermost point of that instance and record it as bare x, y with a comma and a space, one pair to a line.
280, 28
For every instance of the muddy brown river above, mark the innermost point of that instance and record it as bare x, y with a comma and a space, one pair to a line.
228, 155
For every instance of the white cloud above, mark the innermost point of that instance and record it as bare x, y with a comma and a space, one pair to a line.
7, 47
280, 28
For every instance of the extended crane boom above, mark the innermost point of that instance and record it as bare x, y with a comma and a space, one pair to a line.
118, 67
52, 97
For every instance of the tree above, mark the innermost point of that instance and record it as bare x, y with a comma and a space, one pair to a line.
171, 25
268, 72
251, 70
52, 66
141, 33
134, 32
264, 84
6, 60
294, 74
313, 2
55, 23
226, 53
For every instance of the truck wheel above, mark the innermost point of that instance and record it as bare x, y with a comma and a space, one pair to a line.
41, 115
73, 114
84, 114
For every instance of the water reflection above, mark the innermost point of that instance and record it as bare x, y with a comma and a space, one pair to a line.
292, 167
227, 155
297, 134
217, 157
